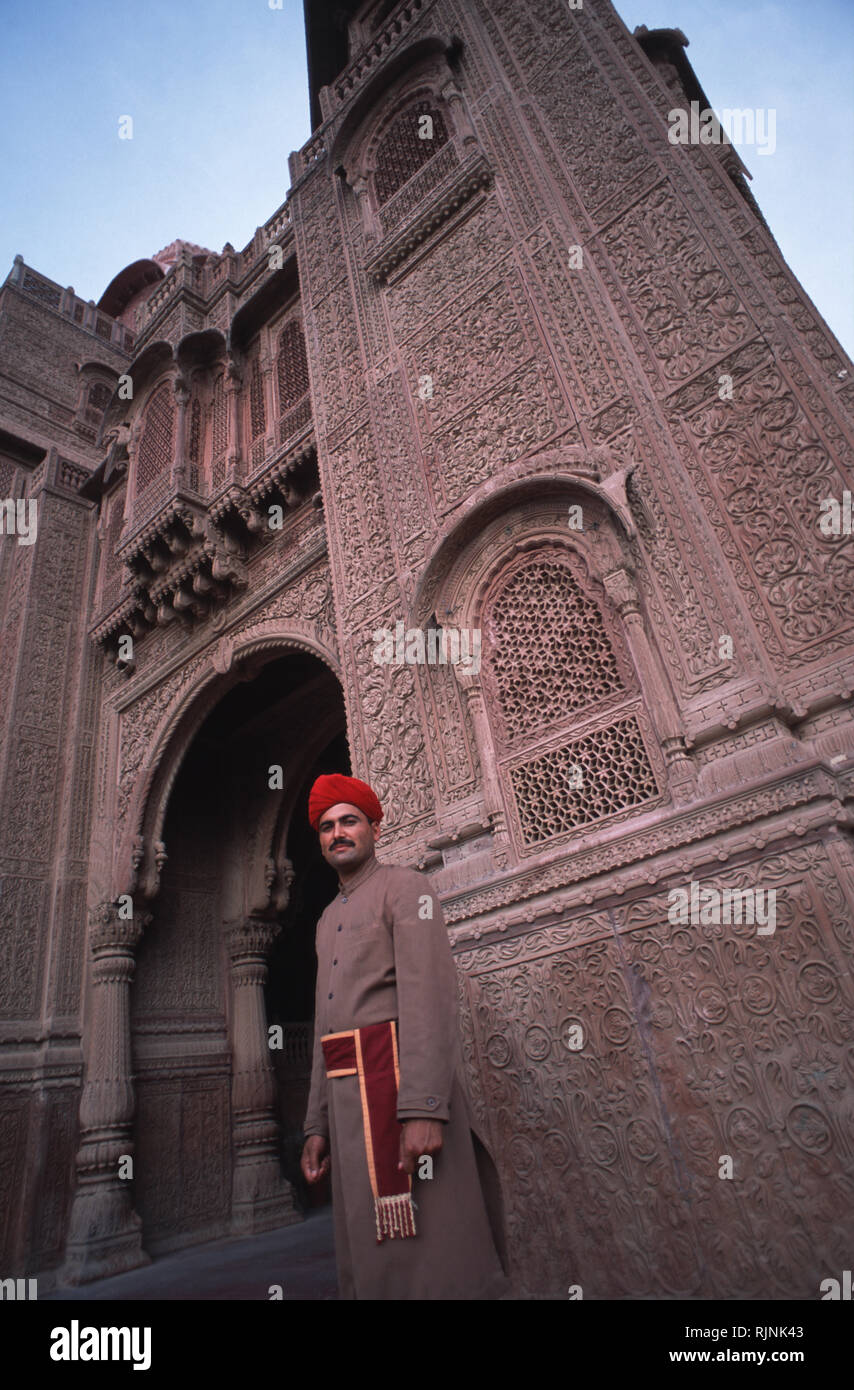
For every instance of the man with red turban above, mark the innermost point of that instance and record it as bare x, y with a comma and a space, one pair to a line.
415, 1197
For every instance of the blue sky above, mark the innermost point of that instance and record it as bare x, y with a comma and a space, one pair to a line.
217, 92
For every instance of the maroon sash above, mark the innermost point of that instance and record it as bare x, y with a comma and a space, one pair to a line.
371, 1054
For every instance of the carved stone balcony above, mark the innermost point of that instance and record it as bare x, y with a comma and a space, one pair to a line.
431, 197
191, 555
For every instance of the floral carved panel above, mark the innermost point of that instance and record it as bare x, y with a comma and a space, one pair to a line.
763, 470
698, 1042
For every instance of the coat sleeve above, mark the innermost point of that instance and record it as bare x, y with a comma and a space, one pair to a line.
426, 979
317, 1112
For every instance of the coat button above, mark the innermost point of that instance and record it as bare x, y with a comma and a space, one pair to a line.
335, 962
340, 928
329, 996
432, 1102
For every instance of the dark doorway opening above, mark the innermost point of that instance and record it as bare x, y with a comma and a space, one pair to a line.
293, 970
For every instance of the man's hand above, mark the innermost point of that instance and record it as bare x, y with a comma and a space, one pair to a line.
314, 1165
416, 1138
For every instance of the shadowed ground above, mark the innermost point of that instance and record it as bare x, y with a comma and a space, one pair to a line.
301, 1258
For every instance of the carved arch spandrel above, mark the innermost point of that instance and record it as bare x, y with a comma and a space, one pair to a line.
199, 686
502, 523
559, 477
420, 66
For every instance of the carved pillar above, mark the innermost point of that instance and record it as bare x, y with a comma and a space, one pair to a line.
261, 1198
182, 397
370, 220
233, 382
133, 438
270, 415
621, 590
460, 116
492, 798
105, 1233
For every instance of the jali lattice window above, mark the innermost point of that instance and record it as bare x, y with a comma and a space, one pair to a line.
157, 441
410, 141
292, 380
97, 399
219, 430
99, 396
563, 700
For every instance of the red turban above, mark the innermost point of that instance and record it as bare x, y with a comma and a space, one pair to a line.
334, 788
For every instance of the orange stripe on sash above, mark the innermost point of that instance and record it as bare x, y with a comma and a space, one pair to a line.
371, 1053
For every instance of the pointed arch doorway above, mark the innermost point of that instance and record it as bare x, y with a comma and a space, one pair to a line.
229, 953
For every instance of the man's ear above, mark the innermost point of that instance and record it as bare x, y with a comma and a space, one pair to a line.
375, 826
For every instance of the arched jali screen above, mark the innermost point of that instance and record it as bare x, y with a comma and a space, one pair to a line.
564, 701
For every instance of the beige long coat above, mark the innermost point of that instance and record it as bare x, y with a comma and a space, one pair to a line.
380, 957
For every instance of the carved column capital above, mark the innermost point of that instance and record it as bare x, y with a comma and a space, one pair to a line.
233, 375
250, 939
113, 934
622, 591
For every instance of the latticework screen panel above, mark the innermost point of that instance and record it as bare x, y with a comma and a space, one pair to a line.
291, 366
157, 442
549, 653
592, 777
402, 150
292, 378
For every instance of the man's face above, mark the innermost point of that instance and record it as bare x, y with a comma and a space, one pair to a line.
347, 837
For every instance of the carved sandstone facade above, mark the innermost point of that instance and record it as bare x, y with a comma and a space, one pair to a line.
505, 360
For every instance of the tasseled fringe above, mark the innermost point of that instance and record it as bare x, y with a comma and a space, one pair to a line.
395, 1216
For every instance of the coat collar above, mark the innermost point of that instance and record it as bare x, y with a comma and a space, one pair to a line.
364, 873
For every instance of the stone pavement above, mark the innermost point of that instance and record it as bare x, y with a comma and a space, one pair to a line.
301, 1258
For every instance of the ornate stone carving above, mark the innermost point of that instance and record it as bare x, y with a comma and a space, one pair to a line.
261, 1200
461, 183
395, 746
357, 511
477, 246
514, 420
763, 439
658, 281
645, 1104
104, 1236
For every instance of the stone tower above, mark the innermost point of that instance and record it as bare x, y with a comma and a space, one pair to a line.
509, 367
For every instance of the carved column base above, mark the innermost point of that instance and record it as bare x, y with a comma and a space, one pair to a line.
261, 1199
681, 772
105, 1234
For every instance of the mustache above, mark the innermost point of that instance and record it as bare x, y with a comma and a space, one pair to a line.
338, 843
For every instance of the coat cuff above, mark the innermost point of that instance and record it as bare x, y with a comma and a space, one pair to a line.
424, 1108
